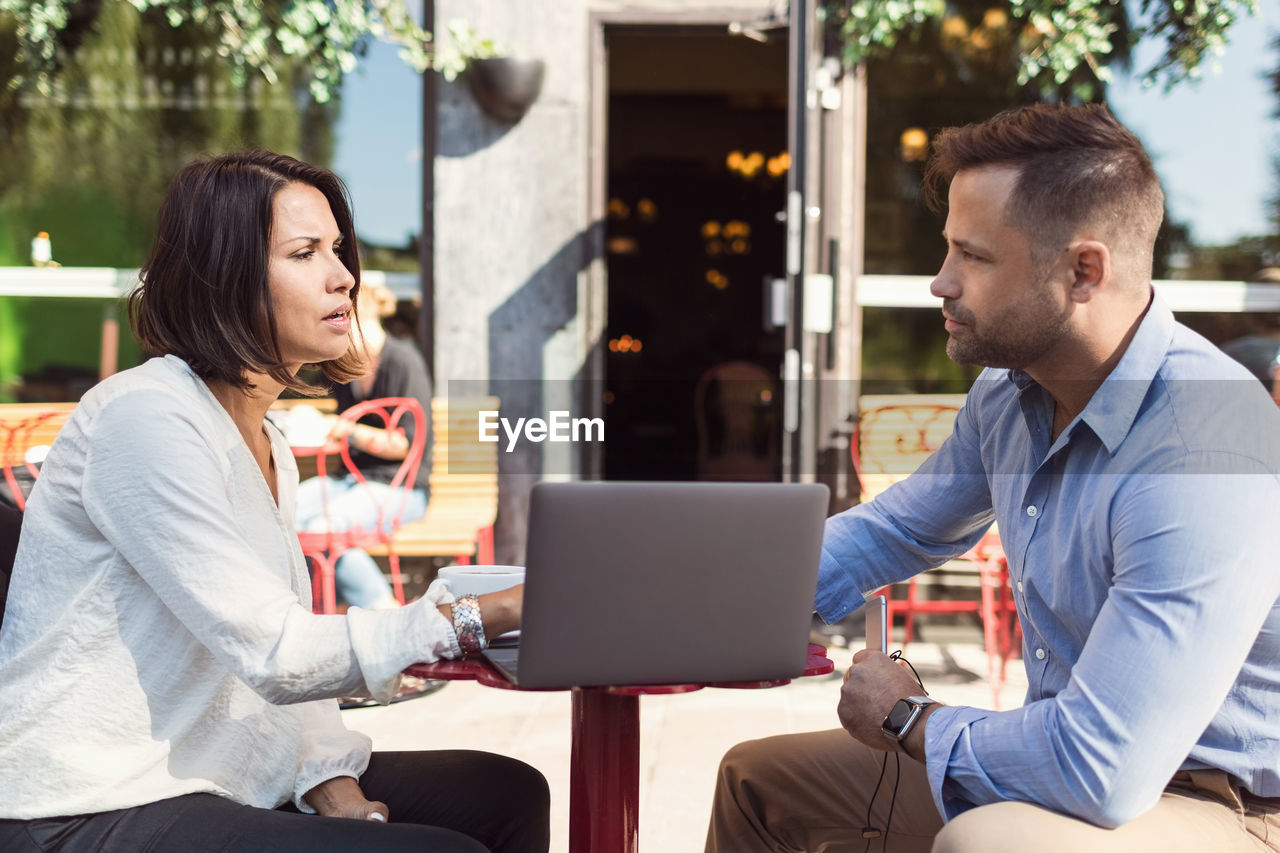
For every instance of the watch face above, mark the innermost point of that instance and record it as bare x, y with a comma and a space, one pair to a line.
899, 715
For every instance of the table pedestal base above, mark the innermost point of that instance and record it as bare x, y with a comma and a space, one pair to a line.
604, 764
604, 786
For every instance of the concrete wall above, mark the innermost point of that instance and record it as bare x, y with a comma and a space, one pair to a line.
517, 312
511, 238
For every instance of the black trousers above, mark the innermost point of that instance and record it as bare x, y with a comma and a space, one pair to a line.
448, 801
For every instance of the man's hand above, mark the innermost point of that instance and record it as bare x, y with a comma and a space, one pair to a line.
341, 797
872, 686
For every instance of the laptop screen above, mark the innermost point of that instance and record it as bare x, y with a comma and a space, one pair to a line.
654, 583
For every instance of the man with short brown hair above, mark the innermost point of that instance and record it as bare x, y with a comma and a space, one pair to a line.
1133, 471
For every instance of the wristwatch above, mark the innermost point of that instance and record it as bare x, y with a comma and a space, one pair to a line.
904, 715
468, 624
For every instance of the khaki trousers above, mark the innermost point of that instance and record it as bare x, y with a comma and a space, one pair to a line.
808, 793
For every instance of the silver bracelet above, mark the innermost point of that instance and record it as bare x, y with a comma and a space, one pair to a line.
468, 625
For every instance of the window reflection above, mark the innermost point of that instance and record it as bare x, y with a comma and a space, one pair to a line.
87, 163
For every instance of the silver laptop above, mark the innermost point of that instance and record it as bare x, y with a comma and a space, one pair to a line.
659, 583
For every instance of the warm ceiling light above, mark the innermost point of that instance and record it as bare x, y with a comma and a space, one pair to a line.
622, 245
995, 19
710, 229
626, 343
981, 39
954, 30
915, 145
754, 163
734, 160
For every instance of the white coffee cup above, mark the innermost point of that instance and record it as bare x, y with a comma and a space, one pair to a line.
479, 580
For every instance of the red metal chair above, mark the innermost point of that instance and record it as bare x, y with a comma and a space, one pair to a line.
893, 435
23, 427
325, 547
464, 488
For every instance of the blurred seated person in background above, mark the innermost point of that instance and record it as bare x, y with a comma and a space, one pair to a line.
395, 369
1260, 349
166, 684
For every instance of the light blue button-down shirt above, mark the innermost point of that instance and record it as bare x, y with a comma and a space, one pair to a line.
1144, 555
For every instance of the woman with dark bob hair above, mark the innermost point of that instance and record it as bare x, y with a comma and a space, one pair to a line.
166, 684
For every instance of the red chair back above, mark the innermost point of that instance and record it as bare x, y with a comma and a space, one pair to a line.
392, 414
894, 434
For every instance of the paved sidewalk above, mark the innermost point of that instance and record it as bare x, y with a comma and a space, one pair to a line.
682, 737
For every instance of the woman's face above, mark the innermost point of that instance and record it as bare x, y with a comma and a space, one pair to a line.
310, 288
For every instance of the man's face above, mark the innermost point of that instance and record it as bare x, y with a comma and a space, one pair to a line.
1000, 310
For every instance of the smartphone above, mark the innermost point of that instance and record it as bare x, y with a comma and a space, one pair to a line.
878, 623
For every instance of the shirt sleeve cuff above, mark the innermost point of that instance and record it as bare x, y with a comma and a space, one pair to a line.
329, 750
837, 595
386, 641
944, 730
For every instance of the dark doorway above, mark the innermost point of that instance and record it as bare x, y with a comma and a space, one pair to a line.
696, 177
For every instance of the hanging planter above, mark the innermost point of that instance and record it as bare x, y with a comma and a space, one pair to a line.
505, 86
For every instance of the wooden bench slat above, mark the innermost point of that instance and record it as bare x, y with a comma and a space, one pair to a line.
464, 485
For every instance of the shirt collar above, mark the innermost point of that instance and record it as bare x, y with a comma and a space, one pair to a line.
1114, 406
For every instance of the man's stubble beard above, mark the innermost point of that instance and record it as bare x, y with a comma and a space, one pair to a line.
1014, 338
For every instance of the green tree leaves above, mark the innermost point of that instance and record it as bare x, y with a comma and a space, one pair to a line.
328, 34
1054, 38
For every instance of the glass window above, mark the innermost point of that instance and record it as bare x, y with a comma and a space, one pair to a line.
1212, 143
88, 161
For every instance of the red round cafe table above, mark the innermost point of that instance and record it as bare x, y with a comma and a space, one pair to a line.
604, 768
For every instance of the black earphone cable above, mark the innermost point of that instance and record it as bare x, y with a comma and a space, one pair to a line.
868, 831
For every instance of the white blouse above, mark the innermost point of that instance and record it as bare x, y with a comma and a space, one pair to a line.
159, 638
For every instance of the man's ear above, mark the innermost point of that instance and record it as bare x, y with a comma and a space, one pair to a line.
1090, 268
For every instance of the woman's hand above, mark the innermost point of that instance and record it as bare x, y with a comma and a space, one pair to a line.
500, 612
341, 797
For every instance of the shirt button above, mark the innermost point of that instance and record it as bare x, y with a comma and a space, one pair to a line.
1019, 586
1032, 511
1039, 654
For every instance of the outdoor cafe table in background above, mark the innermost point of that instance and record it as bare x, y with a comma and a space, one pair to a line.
604, 761
305, 423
